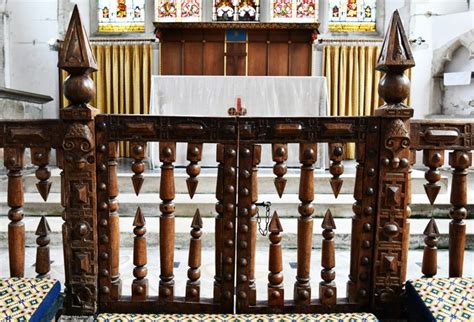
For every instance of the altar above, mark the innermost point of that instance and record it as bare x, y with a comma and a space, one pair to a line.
259, 95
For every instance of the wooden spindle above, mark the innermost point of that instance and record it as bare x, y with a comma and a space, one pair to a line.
327, 288
114, 222
194, 155
43, 261
40, 158
140, 283
167, 221
218, 223
337, 168
302, 289
433, 159
194, 260
460, 161
137, 152
14, 161
279, 155
276, 291
429, 265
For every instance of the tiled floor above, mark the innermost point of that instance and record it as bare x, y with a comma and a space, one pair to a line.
207, 268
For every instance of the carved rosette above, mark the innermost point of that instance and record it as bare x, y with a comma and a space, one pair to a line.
391, 225
79, 183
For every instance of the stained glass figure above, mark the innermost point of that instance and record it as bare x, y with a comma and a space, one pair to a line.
235, 10
121, 15
352, 15
294, 10
178, 10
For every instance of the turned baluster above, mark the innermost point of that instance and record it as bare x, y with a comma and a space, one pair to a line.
114, 222
218, 223
337, 168
14, 160
194, 260
137, 152
140, 283
429, 265
460, 161
327, 288
40, 158
193, 169
432, 159
279, 155
276, 295
167, 222
302, 289
43, 262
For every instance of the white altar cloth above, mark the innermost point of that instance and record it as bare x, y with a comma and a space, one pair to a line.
260, 95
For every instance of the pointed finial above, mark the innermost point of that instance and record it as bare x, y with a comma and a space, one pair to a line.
275, 225
137, 181
43, 227
197, 220
192, 184
396, 55
44, 187
328, 221
432, 191
139, 220
336, 185
280, 184
76, 55
431, 229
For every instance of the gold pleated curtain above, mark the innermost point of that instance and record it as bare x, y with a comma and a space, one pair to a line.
122, 80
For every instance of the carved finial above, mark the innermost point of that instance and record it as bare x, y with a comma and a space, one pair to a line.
43, 227
76, 55
396, 55
328, 221
431, 229
197, 220
275, 225
139, 220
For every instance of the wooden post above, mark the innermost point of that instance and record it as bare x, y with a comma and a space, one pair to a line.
40, 158
276, 291
433, 159
280, 155
302, 288
336, 152
218, 224
140, 283
392, 227
460, 161
327, 288
79, 186
167, 223
429, 265
114, 222
194, 260
43, 261
194, 155
14, 161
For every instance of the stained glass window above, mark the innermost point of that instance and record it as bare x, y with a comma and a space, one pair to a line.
352, 15
178, 10
235, 10
294, 10
121, 15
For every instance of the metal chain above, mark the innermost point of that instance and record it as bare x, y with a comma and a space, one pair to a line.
267, 204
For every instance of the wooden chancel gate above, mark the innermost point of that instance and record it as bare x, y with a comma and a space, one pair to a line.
86, 148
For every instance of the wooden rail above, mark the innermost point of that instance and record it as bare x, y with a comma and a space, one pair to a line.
86, 148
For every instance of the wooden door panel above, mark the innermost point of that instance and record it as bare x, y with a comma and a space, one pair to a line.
235, 62
278, 59
171, 58
193, 58
300, 59
257, 60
